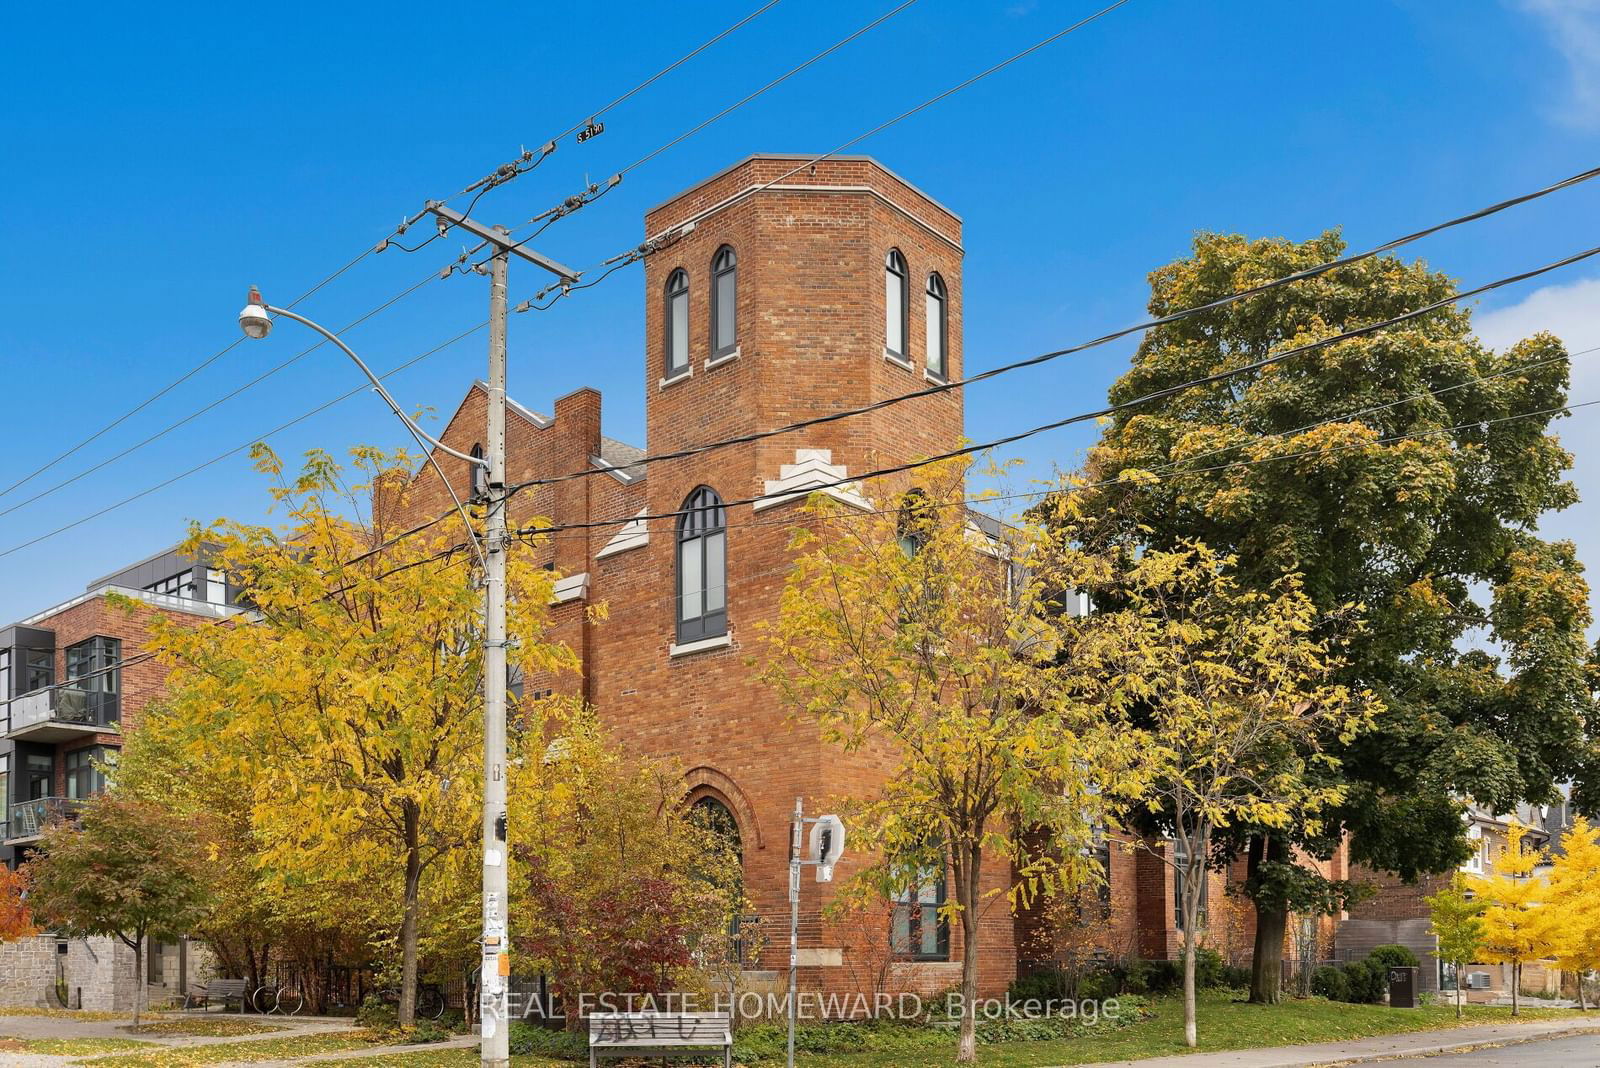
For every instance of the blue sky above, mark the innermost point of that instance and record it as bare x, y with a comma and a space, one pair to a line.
155, 160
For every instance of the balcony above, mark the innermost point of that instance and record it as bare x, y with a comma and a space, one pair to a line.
62, 714
30, 819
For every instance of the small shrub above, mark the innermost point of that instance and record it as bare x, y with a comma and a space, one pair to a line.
1331, 982
375, 1014
527, 1039
1367, 982
1393, 955
426, 1031
1043, 985
1207, 969
1234, 977
1098, 985
1162, 977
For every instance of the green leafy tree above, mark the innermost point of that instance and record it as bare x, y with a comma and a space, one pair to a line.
1456, 920
128, 869
349, 705
911, 636
1404, 471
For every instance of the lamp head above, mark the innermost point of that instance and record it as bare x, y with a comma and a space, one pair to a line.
253, 318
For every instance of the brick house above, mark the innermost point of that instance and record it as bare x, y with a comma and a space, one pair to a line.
781, 297
72, 682
1398, 912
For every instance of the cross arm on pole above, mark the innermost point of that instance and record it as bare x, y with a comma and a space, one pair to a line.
502, 241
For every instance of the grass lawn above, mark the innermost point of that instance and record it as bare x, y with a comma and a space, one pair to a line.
265, 1049
71, 1047
204, 1026
66, 1014
1224, 1025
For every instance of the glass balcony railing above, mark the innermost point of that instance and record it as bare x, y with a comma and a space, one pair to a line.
30, 819
65, 704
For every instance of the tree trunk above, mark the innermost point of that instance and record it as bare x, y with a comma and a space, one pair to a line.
1266, 964
967, 869
1458, 991
138, 974
1516, 987
407, 1014
1581, 1006
1191, 1032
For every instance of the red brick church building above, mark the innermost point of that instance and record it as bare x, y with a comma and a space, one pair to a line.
783, 297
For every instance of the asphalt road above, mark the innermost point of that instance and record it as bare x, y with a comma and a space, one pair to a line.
1573, 1051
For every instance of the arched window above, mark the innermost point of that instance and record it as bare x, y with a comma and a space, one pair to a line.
713, 815
702, 567
724, 307
938, 326
480, 475
894, 303
677, 323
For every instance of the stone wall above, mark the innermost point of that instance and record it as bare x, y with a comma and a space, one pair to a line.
98, 973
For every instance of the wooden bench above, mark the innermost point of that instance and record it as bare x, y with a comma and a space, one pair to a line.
218, 990
659, 1034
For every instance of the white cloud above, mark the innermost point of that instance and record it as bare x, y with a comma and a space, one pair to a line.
1574, 29
1572, 313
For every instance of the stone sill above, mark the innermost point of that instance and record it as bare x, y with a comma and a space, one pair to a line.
704, 645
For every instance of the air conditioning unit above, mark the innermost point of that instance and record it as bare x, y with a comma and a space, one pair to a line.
1477, 980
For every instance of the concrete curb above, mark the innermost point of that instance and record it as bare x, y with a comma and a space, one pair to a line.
1394, 1047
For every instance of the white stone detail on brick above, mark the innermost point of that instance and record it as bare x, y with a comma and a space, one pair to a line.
635, 534
570, 588
721, 641
813, 470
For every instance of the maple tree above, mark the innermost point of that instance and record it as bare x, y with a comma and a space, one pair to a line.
915, 635
125, 868
1517, 925
16, 919
1456, 919
348, 706
1406, 471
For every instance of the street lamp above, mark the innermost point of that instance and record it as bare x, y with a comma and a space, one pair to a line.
255, 319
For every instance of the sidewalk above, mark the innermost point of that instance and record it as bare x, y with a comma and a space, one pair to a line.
1415, 1044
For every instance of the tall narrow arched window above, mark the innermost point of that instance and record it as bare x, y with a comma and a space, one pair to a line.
724, 306
480, 475
938, 326
702, 567
894, 303
676, 323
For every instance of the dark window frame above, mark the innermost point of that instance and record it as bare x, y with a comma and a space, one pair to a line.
85, 764
702, 517
1179, 864
180, 584
677, 287
936, 290
894, 262
918, 914
92, 666
725, 262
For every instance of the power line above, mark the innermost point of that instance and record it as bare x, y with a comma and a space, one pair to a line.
240, 448
198, 412
942, 387
168, 388
594, 191
555, 531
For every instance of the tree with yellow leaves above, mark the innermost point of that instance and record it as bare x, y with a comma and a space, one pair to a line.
912, 635
1574, 901
1456, 920
1227, 694
348, 704
1517, 927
